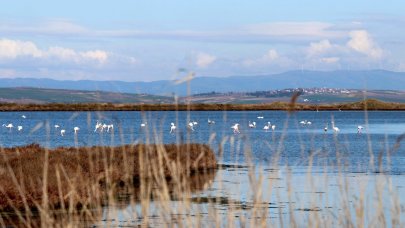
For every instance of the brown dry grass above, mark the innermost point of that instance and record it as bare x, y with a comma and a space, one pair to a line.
31, 175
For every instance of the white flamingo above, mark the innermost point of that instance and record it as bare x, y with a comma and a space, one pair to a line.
104, 126
144, 124
76, 129
252, 125
235, 128
62, 132
211, 122
191, 126
9, 126
172, 127
267, 126
98, 126
260, 117
23, 116
56, 126
325, 129
335, 129
110, 126
195, 123
359, 129
19, 128
273, 127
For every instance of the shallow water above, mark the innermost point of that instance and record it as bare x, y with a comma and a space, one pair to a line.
302, 168
291, 143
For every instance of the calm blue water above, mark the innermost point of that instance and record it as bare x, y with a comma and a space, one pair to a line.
291, 143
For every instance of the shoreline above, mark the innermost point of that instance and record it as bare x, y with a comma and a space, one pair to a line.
369, 105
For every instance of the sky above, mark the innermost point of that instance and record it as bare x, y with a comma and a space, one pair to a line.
133, 40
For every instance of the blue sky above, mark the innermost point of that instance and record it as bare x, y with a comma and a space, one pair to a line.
150, 40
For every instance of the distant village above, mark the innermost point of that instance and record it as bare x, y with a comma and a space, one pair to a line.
286, 92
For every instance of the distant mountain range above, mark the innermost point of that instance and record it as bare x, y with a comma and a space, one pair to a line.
369, 80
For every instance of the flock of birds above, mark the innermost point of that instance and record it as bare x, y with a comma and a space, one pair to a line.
101, 127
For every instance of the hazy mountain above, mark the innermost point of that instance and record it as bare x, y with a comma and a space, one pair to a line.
373, 79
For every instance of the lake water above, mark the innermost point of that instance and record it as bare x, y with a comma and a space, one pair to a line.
377, 155
292, 142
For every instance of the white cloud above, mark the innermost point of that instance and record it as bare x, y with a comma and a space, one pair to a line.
97, 55
203, 59
13, 49
319, 48
270, 57
361, 42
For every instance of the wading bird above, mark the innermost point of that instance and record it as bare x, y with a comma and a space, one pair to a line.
235, 128
172, 127
19, 128
62, 132
9, 126
56, 126
23, 116
110, 126
335, 129
273, 127
252, 125
359, 129
267, 126
191, 126
98, 126
211, 122
76, 129
144, 124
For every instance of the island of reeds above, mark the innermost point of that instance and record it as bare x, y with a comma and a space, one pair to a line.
36, 178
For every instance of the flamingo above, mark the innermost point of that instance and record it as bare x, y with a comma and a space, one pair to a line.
195, 122
252, 125
325, 129
335, 129
191, 126
172, 127
62, 132
144, 124
76, 129
267, 127
110, 126
19, 128
23, 116
235, 128
359, 129
273, 127
98, 126
56, 126
211, 121
260, 117
104, 126
9, 126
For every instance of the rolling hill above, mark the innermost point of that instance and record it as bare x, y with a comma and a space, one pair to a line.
369, 80
40, 96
